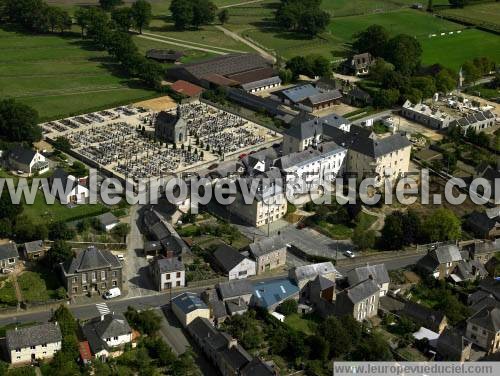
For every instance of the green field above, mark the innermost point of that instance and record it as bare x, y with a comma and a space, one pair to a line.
453, 50
487, 14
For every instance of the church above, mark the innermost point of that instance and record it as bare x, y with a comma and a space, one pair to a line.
171, 128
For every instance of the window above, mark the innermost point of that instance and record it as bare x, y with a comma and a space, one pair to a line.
103, 275
115, 283
75, 279
94, 276
84, 288
167, 276
32, 347
178, 283
178, 275
474, 328
108, 339
114, 273
12, 260
84, 278
115, 338
243, 272
44, 345
18, 350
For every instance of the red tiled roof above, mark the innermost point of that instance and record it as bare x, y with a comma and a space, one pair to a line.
253, 75
84, 349
186, 88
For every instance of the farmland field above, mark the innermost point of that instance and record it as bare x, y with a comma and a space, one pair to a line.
487, 14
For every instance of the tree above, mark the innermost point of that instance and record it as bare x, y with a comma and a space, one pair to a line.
337, 336
471, 72
286, 75
121, 230
404, 52
25, 230
445, 82
373, 40
373, 348
141, 14
412, 225
109, 4
458, 3
380, 69
319, 65
430, 6
363, 239
320, 347
303, 16
182, 13
147, 322
60, 251
82, 17
223, 16
425, 84
60, 231
442, 225
313, 21
123, 17
393, 231
18, 122
288, 307
203, 12
386, 98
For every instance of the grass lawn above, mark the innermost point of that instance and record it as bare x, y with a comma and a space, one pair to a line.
453, 50
487, 14
60, 76
336, 231
41, 212
301, 324
484, 91
7, 293
38, 286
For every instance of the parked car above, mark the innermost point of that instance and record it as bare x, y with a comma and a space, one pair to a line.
349, 254
120, 257
112, 293
301, 225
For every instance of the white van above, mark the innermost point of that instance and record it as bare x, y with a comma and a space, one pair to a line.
112, 293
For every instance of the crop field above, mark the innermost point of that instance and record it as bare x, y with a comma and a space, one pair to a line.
487, 14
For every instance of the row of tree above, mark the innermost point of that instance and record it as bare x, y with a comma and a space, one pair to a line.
193, 13
302, 16
310, 65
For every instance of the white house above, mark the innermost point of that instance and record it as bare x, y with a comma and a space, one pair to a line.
71, 190
377, 272
107, 334
28, 161
8, 255
31, 343
233, 263
168, 273
108, 221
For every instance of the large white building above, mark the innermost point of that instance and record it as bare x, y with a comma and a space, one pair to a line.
423, 114
25, 345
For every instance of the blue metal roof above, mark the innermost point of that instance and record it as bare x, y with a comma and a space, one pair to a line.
188, 302
299, 93
269, 293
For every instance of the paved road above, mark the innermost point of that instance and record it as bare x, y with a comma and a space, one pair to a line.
243, 3
391, 264
266, 55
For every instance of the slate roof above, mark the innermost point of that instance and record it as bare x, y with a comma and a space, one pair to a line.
492, 286
422, 313
91, 259
311, 271
108, 326
323, 283
467, 270
33, 336
390, 304
168, 265
325, 97
34, 246
107, 219
233, 289
487, 318
446, 253
309, 155
266, 245
227, 257
451, 343
201, 328
236, 306
303, 127
22, 155
257, 367
275, 80
482, 222
362, 290
8, 250
64, 178
269, 293
378, 272
297, 94
236, 356
188, 302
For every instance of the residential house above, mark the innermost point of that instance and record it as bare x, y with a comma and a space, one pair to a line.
268, 205
31, 343
378, 272
67, 188
301, 275
268, 253
423, 316
483, 329
468, 270
91, 271
482, 299
34, 250
8, 256
188, 306
232, 263
483, 251
235, 295
423, 114
360, 300
441, 262
222, 350
492, 175
491, 286
483, 226
218, 312
107, 335
27, 161
321, 295
360, 63
358, 97
107, 221
477, 121
168, 273
257, 367
453, 346
270, 294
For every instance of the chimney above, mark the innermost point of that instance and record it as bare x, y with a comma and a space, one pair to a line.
232, 343
370, 277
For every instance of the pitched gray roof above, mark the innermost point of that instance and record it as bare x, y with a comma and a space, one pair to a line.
201, 328
22, 155
233, 289
107, 219
422, 313
33, 246
188, 302
168, 265
227, 257
325, 96
378, 272
299, 93
362, 290
266, 245
446, 253
260, 83
8, 250
108, 326
311, 271
91, 259
33, 335
487, 318
236, 356
451, 343
308, 155
257, 367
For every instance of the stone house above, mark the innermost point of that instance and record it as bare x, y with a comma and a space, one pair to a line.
268, 253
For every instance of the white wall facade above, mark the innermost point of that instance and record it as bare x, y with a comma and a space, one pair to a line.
244, 269
27, 354
172, 279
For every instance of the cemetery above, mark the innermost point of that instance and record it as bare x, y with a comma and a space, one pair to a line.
122, 141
